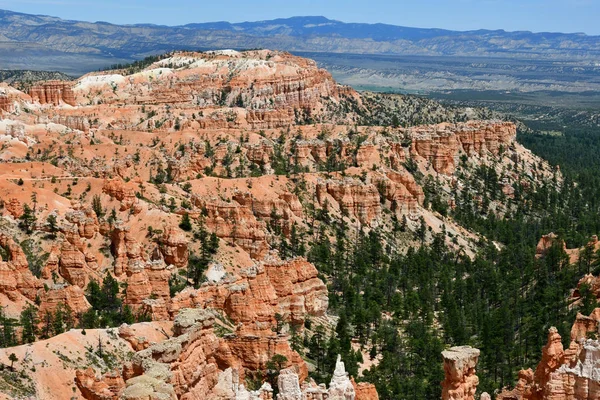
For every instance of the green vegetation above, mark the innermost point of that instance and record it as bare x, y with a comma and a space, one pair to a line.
107, 306
405, 309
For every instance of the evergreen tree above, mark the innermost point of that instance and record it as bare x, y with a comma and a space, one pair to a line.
28, 220
29, 321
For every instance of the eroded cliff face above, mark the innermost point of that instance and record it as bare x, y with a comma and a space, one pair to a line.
257, 89
53, 92
260, 151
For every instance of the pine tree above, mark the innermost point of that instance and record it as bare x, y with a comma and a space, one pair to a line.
13, 359
52, 224
185, 223
97, 206
27, 220
29, 321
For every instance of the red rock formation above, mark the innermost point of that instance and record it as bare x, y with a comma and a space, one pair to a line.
299, 291
124, 192
148, 283
14, 207
15, 277
72, 265
93, 388
174, 247
286, 207
137, 343
290, 288
552, 357
402, 192
185, 366
353, 197
236, 224
252, 301
126, 250
6, 104
564, 374
460, 381
440, 144
53, 92
85, 221
76, 122
71, 296
276, 90
365, 391
546, 242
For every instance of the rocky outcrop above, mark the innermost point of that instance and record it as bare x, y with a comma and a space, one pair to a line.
355, 199
401, 191
288, 385
6, 104
290, 288
126, 250
440, 144
460, 381
85, 221
546, 242
235, 223
174, 247
194, 364
286, 208
299, 290
148, 288
53, 92
92, 387
76, 122
72, 297
14, 207
340, 387
564, 374
124, 192
365, 391
138, 343
183, 367
72, 265
16, 279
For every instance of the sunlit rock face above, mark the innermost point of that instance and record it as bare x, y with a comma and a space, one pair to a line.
460, 381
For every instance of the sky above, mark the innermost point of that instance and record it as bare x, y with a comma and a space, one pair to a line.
511, 15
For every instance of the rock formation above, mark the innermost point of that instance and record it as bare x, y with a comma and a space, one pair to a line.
260, 148
546, 242
53, 92
460, 381
340, 387
440, 146
289, 386
358, 200
365, 390
16, 279
6, 104
94, 388
564, 373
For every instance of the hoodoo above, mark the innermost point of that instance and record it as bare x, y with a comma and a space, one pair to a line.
460, 382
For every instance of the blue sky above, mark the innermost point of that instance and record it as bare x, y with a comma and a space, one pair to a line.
533, 15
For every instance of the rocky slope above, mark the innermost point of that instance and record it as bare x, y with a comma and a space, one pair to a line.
197, 183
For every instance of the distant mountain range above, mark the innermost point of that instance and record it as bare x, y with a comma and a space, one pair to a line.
43, 42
